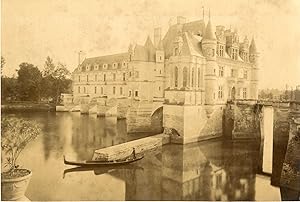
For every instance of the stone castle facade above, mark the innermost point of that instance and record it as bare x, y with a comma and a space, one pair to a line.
190, 71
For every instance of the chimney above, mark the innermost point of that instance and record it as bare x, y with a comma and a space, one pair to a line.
157, 36
180, 20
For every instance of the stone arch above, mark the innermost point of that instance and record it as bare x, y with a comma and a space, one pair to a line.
185, 77
176, 76
157, 120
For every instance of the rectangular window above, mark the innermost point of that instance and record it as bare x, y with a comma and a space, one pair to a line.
221, 50
221, 71
95, 89
104, 77
79, 78
78, 89
245, 74
129, 93
220, 92
232, 73
84, 90
96, 77
136, 93
124, 76
121, 90
87, 77
101, 90
244, 93
114, 76
114, 90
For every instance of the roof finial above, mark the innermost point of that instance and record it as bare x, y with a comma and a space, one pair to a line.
203, 13
209, 14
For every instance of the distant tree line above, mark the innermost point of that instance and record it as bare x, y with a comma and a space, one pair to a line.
31, 84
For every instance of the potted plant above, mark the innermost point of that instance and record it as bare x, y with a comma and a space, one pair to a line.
15, 135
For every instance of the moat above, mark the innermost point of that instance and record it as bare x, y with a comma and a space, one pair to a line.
210, 170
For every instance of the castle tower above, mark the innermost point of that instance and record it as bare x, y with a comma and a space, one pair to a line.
244, 50
253, 58
209, 46
160, 54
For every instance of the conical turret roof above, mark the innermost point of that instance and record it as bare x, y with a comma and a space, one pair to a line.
209, 34
252, 48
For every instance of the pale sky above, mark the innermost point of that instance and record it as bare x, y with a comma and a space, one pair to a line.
35, 29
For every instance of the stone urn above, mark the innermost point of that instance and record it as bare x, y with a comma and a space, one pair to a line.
14, 189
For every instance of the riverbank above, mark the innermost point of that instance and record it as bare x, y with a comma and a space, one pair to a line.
26, 107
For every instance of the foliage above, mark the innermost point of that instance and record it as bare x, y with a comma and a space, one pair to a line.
29, 82
35, 85
2, 64
16, 134
9, 88
49, 67
56, 80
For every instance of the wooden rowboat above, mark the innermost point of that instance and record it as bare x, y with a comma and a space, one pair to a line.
104, 163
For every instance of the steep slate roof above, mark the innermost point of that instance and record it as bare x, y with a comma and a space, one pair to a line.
252, 48
107, 59
146, 52
209, 34
192, 28
191, 46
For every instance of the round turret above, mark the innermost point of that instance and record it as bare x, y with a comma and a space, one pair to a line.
209, 43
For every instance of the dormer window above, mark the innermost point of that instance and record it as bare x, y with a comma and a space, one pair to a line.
234, 54
115, 65
124, 64
87, 67
220, 51
96, 67
104, 66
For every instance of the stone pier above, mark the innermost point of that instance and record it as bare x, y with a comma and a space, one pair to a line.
190, 123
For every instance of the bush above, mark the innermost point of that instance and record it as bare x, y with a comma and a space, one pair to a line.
16, 134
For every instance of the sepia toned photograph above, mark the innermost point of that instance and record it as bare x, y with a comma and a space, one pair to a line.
150, 100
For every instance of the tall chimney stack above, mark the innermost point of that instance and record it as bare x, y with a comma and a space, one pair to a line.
157, 36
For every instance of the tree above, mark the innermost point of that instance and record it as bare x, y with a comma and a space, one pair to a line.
56, 80
29, 82
9, 88
2, 65
62, 81
49, 67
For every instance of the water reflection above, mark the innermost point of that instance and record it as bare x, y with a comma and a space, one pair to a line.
210, 170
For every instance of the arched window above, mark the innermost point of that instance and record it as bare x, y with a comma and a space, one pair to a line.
185, 75
199, 77
176, 77
193, 75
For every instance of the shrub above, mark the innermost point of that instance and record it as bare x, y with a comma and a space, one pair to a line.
16, 134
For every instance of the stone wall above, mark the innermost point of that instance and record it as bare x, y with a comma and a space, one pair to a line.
192, 123
242, 121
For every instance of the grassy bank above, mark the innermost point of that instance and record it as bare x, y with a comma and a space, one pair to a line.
26, 106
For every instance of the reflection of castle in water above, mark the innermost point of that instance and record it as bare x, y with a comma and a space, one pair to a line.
90, 133
194, 172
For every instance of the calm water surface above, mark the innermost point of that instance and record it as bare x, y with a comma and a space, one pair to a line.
211, 170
